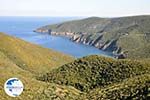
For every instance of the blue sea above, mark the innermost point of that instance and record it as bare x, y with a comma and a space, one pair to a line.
22, 27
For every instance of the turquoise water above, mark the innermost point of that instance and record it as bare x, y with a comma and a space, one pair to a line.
22, 27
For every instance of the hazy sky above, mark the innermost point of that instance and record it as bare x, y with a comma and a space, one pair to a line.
103, 8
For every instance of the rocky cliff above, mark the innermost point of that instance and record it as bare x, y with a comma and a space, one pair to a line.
118, 35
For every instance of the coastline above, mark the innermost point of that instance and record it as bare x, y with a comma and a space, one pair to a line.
76, 38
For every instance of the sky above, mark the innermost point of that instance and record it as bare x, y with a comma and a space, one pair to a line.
101, 8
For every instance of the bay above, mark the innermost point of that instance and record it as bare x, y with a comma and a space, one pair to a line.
22, 27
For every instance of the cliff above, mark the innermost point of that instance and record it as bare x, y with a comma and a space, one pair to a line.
124, 35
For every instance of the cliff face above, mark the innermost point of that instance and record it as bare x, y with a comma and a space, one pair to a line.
117, 35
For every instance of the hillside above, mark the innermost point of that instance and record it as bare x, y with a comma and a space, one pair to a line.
88, 78
25, 61
103, 78
31, 57
127, 35
34, 90
136, 88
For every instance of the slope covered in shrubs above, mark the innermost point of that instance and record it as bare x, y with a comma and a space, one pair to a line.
136, 88
94, 71
104, 78
89, 78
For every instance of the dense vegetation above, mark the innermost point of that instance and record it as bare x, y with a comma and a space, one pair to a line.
126, 34
136, 88
105, 78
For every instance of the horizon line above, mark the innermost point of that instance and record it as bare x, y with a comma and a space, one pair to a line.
73, 16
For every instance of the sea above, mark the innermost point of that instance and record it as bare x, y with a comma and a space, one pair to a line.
22, 27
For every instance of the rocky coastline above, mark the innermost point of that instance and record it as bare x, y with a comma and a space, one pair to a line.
109, 46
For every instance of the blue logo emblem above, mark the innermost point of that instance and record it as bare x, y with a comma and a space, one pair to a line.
13, 87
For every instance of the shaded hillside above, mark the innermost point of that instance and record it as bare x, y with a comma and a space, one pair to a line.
31, 57
117, 35
104, 78
137, 88
24, 60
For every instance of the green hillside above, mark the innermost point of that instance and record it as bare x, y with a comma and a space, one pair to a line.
136, 88
106, 78
31, 57
128, 35
33, 89
49, 75
25, 61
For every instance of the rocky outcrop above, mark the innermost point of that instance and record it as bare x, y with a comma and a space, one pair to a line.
41, 30
109, 46
87, 41
67, 34
49, 31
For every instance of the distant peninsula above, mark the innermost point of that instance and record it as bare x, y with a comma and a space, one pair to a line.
127, 36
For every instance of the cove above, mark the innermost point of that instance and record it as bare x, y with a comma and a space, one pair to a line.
22, 27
